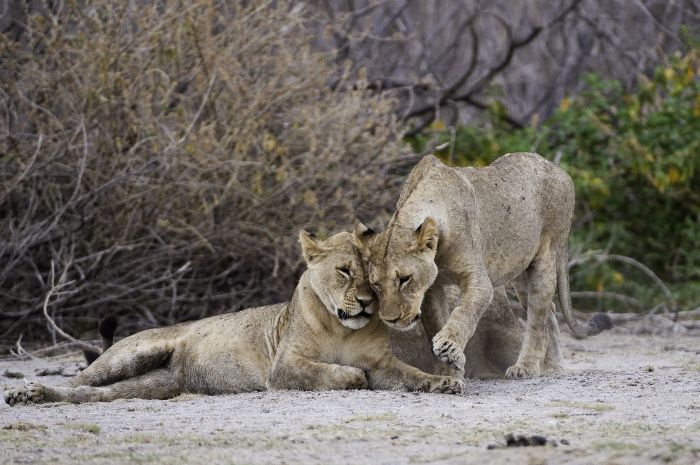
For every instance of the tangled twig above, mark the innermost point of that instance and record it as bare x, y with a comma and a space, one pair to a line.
56, 289
604, 256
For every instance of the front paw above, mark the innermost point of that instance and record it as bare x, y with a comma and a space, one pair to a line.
350, 378
32, 392
443, 369
447, 385
448, 350
521, 370
14, 396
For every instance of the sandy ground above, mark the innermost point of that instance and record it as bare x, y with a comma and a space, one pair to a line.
625, 399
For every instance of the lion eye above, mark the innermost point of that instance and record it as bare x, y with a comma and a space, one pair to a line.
344, 271
404, 280
376, 286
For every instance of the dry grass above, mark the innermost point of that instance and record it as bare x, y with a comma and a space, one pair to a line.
24, 426
164, 157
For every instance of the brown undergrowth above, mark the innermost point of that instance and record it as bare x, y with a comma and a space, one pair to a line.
161, 158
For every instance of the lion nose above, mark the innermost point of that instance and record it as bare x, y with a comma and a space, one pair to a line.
364, 302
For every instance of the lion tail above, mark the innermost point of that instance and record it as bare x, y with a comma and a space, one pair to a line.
107, 327
595, 325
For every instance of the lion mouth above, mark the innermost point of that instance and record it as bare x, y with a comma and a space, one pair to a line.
403, 325
343, 315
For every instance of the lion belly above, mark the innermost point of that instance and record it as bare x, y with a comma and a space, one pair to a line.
227, 353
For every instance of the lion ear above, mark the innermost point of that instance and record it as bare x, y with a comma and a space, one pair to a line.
427, 235
364, 236
311, 248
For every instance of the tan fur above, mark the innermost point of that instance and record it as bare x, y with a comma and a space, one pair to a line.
327, 337
494, 347
478, 229
498, 339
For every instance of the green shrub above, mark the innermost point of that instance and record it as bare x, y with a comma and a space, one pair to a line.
635, 160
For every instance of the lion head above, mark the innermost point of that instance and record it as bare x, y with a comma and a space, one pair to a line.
338, 277
401, 267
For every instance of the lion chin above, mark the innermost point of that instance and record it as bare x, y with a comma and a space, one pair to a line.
356, 321
402, 325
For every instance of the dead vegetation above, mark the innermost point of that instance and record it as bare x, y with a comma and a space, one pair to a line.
156, 158
159, 158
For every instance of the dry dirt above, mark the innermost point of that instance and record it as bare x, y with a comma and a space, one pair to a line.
625, 399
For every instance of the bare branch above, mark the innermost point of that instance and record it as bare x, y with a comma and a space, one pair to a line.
603, 257
58, 289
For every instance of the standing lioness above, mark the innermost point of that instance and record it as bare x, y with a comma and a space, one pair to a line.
478, 228
327, 337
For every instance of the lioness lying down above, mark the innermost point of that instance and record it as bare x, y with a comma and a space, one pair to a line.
327, 337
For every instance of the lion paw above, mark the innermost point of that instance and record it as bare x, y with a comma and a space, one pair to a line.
13, 396
447, 385
351, 378
31, 393
443, 369
448, 351
553, 370
522, 371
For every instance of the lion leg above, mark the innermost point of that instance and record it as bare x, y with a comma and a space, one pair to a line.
394, 375
157, 384
292, 371
130, 357
434, 315
449, 343
435, 311
541, 285
553, 359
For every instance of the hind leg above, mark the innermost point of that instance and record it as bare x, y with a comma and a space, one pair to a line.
130, 357
157, 384
541, 284
553, 359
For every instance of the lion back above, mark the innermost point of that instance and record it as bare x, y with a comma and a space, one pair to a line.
417, 174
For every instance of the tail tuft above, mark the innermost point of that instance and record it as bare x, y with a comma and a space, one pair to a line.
107, 327
599, 323
91, 355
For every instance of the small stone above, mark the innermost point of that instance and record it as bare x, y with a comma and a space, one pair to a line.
13, 374
524, 441
53, 371
565, 442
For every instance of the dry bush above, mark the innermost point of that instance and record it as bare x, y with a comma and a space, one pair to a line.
162, 157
